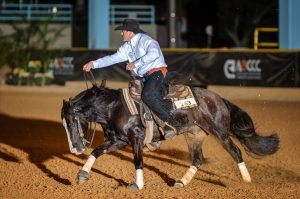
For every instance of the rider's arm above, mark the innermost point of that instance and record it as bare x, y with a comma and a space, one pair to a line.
119, 56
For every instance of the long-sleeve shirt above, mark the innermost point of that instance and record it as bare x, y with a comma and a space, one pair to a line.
142, 50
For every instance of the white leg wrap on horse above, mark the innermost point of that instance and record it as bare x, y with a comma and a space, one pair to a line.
244, 171
139, 178
89, 163
188, 176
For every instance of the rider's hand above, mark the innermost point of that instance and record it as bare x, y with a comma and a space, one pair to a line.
88, 66
130, 66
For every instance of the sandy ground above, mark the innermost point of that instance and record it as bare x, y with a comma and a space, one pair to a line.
35, 160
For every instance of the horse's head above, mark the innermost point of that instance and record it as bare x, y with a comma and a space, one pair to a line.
76, 126
76, 115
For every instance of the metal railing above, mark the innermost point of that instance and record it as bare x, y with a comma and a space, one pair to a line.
35, 12
63, 12
142, 13
257, 43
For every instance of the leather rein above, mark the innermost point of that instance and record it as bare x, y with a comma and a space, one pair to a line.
89, 137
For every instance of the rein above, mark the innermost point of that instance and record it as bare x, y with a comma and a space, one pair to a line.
88, 135
92, 79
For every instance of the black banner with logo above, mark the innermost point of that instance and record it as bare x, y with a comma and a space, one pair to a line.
257, 69
270, 69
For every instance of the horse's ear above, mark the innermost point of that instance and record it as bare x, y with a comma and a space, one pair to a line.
103, 83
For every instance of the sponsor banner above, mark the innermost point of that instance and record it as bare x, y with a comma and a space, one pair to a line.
247, 69
257, 69
194, 68
236, 68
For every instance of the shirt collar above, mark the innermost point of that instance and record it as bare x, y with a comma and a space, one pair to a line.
135, 39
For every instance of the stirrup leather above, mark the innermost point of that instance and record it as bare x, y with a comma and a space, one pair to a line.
170, 126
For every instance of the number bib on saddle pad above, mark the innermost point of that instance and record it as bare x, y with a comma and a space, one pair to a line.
185, 103
182, 97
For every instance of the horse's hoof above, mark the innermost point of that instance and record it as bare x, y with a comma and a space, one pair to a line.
82, 177
133, 186
178, 184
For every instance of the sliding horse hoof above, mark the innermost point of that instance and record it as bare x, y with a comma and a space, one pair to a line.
82, 177
133, 186
178, 184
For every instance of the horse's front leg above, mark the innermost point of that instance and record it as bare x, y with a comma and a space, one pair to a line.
194, 142
137, 141
106, 147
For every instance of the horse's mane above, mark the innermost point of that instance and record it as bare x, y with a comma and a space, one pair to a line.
95, 96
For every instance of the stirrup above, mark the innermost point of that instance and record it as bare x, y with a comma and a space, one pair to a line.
153, 146
169, 131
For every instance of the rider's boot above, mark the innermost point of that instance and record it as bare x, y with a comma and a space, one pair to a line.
171, 129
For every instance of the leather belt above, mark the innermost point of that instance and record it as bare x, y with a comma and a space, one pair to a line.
163, 69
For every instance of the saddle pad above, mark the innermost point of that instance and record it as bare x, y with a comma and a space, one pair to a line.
128, 102
131, 108
186, 102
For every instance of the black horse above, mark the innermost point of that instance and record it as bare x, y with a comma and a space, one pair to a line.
213, 115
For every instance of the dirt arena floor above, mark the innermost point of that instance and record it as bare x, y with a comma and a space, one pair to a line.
35, 160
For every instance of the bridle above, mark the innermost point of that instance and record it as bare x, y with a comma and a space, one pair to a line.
89, 137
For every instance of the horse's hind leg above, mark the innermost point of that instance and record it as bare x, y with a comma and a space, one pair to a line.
194, 142
235, 153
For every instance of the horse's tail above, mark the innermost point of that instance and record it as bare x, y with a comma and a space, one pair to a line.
242, 127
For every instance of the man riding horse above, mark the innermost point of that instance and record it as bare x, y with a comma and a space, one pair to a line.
145, 59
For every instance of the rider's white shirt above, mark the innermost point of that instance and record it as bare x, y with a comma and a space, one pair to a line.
142, 50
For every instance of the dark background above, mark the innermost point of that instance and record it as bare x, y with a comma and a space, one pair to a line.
237, 16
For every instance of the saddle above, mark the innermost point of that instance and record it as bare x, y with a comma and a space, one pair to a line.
181, 97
